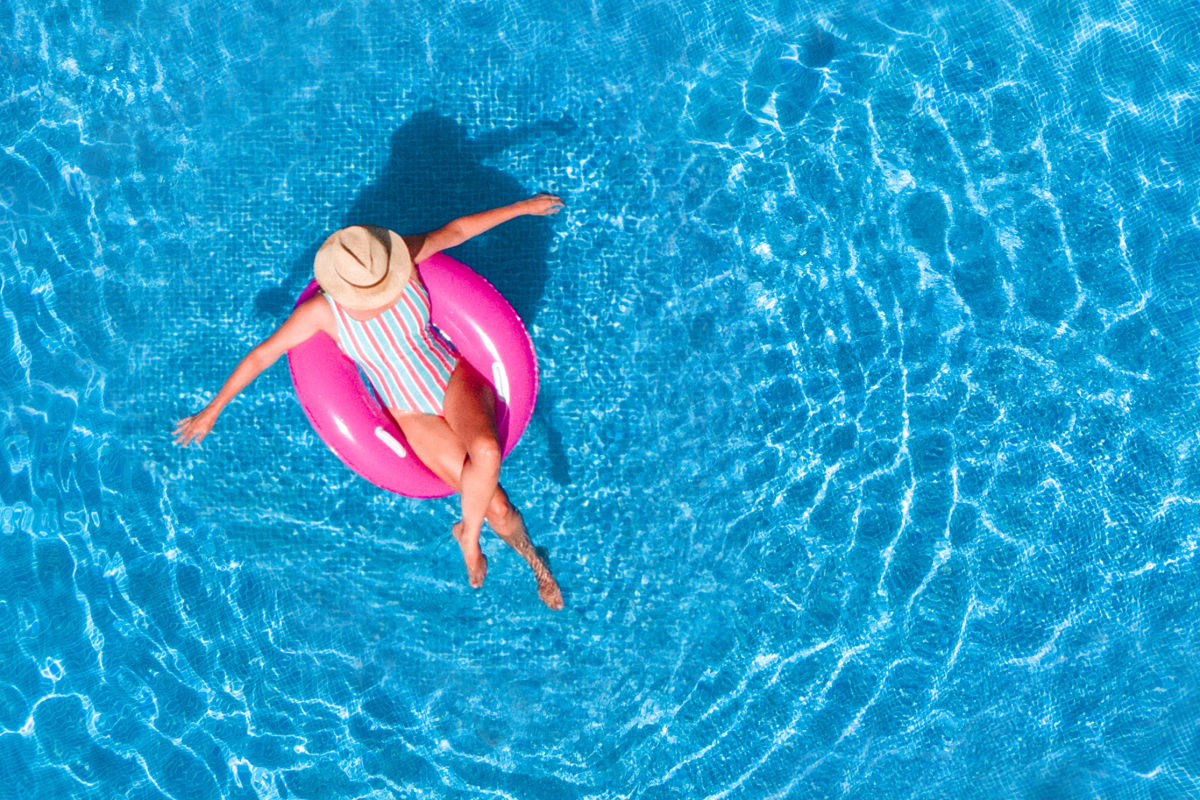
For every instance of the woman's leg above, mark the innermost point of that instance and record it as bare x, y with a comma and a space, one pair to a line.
470, 411
440, 449
444, 450
508, 524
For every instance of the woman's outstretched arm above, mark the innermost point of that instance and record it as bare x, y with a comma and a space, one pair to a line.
303, 323
460, 230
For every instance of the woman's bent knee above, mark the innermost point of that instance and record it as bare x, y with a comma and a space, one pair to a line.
499, 509
484, 451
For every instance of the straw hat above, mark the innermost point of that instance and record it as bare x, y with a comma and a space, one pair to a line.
363, 267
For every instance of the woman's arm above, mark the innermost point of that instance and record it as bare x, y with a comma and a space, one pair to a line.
460, 230
305, 321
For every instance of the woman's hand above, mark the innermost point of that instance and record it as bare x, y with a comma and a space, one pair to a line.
195, 427
543, 203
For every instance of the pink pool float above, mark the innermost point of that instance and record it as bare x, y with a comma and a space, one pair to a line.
349, 416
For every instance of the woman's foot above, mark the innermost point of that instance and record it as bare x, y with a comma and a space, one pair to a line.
473, 557
549, 592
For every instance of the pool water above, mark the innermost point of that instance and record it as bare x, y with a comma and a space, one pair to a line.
866, 453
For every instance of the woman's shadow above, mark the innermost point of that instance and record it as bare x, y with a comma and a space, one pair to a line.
434, 174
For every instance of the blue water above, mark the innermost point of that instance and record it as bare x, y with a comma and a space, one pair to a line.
867, 446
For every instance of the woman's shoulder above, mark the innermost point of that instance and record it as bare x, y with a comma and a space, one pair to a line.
417, 243
317, 313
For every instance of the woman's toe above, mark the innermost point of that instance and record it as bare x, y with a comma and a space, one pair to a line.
476, 575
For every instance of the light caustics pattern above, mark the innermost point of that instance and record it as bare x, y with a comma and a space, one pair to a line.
866, 448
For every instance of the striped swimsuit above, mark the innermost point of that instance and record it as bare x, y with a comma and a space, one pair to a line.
406, 360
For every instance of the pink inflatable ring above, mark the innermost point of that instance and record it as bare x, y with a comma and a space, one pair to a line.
349, 416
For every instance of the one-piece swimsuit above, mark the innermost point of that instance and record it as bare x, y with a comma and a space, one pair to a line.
406, 359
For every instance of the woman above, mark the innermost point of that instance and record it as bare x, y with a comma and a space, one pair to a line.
444, 407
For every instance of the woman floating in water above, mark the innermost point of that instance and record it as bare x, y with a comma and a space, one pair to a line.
444, 407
